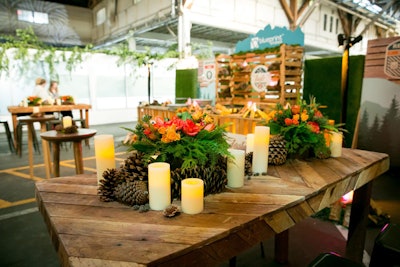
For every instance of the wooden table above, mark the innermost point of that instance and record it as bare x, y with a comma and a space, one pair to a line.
17, 110
57, 138
88, 232
45, 146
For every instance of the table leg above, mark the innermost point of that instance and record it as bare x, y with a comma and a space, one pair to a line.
14, 124
56, 159
358, 223
282, 247
78, 157
30, 148
46, 152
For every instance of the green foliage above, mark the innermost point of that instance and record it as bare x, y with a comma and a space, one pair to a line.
186, 151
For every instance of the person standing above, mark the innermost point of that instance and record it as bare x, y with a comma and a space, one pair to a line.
40, 89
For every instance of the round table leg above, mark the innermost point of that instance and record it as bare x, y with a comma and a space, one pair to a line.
78, 157
56, 159
30, 148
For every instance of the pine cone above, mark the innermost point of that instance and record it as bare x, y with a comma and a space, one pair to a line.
111, 178
131, 193
248, 163
171, 211
71, 129
277, 151
214, 177
133, 168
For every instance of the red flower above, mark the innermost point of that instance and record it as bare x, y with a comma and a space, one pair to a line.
177, 122
209, 127
318, 114
288, 121
313, 126
295, 109
190, 128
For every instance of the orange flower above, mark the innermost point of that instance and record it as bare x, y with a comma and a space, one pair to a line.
304, 116
170, 135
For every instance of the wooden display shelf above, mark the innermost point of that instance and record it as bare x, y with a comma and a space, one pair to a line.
285, 66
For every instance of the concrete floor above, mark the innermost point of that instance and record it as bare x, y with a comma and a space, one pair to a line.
24, 239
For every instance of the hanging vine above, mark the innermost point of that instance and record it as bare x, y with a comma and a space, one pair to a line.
26, 47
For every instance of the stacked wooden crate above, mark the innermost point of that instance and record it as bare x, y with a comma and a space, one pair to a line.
285, 65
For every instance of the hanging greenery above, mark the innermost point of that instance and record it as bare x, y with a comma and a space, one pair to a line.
26, 47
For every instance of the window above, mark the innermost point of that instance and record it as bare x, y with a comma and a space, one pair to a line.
325, 21
32, 16
331, 24
337, 26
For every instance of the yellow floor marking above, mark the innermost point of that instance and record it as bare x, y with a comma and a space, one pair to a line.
4, 204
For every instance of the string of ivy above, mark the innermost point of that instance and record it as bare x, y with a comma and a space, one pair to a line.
28, 49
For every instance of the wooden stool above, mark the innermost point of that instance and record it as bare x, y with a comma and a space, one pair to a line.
29, 120
57, 138
386, 251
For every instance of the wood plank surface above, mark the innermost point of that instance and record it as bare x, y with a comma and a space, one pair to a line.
88, 232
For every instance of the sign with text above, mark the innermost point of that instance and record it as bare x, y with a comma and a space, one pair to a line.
269, 38
392, 60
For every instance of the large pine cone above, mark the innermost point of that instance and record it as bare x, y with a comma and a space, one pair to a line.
133, 168
132, 193
111, 178
277, 150
214, 177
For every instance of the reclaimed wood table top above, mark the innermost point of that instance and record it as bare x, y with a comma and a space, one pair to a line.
54, 136
88, 232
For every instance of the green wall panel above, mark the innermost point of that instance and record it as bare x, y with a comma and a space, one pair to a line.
322, 79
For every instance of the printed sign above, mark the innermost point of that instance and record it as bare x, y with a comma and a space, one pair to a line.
209, 71
269, 38
392, 60
260, 78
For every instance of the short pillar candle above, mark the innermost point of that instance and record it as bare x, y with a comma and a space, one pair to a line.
67, 121
104, 153
159, 185
35, 110
235, 168
192, 196
336, 144
249, 143
260, 153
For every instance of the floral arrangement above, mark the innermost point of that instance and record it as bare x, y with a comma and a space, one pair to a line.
67, 100
34, 101
185, 141
304, 128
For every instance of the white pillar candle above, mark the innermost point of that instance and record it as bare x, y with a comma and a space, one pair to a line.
192, 197
104, 153
67, 121
35, 109
336, 144
235, 168
159, 185
58, 101
249, 143
260, 153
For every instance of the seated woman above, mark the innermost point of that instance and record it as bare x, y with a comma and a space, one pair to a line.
53, 92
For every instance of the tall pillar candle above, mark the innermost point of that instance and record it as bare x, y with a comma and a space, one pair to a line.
336, 144
159, 185
67, 121
260, 153
235, 168
249, 143
192, 197
104, 153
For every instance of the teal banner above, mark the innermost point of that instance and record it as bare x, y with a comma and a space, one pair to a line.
269, 38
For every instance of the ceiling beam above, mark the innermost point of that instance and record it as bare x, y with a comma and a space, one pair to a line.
291, 11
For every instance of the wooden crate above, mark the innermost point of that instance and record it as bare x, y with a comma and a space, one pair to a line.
285, 66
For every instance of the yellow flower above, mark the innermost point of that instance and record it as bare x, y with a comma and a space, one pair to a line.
197, 115
170, 135
208, 119
296, 117
304, 115
162, 130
